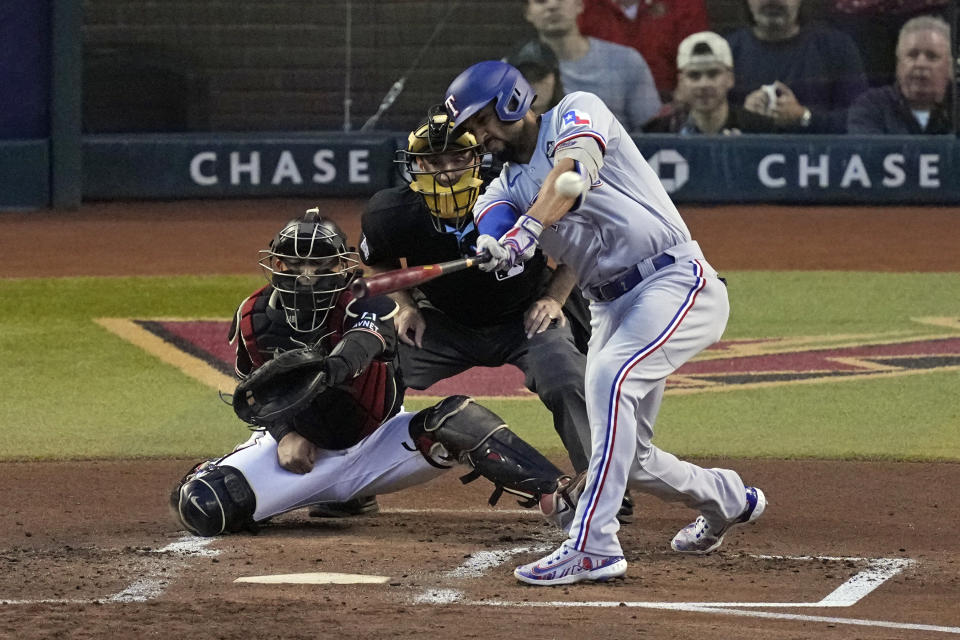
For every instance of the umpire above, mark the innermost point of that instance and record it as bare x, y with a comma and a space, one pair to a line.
472, 318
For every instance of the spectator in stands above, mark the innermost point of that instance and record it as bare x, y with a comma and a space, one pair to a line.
874, 25
814, 72
618, 75
704, 79
920, 100
539, 65
652, 27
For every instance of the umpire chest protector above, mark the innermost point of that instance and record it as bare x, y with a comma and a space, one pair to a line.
397, 224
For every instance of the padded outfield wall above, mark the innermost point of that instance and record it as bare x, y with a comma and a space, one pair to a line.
785, 169
779, 169
210, 98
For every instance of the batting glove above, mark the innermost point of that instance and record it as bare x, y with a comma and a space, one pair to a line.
499, 259
522, 239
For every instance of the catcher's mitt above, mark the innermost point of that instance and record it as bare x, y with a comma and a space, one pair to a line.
280, 389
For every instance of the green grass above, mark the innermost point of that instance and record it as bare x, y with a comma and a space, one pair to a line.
902, 418
794, 303
71, 389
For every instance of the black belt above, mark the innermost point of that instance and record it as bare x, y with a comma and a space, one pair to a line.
618, 286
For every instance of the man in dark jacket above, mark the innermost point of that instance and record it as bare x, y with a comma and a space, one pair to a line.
919, 102
802, 75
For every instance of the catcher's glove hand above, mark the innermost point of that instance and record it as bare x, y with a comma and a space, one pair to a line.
280, 389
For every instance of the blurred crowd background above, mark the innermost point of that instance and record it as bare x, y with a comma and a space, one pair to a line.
349, 65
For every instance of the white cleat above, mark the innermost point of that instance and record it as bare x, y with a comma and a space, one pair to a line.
700, 537
567, 566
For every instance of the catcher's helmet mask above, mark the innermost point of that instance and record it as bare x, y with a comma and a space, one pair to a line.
443, 166
309, 265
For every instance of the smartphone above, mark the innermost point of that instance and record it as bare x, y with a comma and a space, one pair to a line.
771, 91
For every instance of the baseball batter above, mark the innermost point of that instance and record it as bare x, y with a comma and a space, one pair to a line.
320, 379
655, 303
471, 318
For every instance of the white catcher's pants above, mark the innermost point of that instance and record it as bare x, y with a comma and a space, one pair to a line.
376, 465
637, 341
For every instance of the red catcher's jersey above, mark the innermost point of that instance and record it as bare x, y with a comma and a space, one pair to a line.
341, 416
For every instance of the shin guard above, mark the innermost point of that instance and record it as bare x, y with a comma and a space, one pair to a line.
458, 429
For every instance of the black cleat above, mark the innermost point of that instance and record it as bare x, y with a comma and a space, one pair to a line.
363, 506
625, 514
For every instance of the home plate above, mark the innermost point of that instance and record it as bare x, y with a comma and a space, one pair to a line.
316, 578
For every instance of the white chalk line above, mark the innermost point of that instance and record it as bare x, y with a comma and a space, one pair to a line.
853, 590
477, 564
462, 511
146, 587
699, 608
155, 582
878, 571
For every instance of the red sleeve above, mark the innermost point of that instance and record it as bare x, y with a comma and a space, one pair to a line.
692, 19
242, 331
602, 19
656, 33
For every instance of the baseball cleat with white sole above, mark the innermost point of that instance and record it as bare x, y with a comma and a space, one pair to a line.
701, 537
567, 566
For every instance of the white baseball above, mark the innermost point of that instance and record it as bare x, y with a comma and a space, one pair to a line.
570, 184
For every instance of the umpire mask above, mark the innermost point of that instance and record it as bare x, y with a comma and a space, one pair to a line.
443, 168
309, 265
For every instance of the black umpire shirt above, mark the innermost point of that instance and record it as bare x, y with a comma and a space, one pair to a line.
397, 224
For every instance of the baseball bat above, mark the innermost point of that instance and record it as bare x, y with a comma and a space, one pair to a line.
399, 279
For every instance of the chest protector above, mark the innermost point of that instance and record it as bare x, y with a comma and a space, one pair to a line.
341, 416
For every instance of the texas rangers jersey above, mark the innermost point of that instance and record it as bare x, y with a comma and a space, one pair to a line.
624, 218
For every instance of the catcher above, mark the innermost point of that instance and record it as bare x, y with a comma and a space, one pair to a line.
319, 383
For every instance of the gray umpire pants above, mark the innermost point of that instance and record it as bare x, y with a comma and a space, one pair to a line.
552, 366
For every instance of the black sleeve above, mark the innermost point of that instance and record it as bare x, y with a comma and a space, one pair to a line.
279, 430
369, 333
863, 116
375, 227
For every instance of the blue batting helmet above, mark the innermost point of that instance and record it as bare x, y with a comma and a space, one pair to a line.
486, 82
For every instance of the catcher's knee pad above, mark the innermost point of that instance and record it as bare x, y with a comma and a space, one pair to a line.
458, 429
214, 499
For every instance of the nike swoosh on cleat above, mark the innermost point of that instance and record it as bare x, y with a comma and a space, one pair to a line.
556, 567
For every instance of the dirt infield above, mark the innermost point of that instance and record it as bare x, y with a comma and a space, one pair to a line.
204, 236
846, 550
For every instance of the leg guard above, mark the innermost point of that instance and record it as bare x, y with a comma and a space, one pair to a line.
457, 429
213, 499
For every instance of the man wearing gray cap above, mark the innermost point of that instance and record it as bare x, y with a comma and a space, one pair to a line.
704, 78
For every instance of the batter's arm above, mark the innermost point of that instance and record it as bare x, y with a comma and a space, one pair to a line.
551, 206
519, 243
